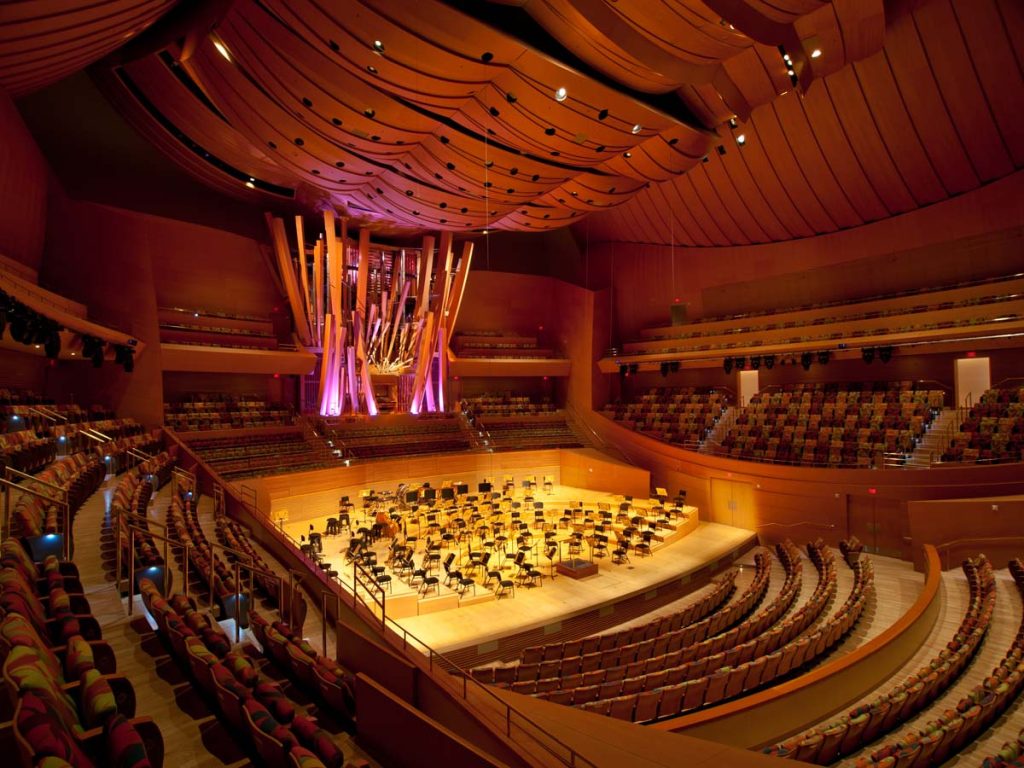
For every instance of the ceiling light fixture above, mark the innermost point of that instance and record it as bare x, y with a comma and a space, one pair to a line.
221, 49
741, 139
816, 53
637, 128
561, 94
378, 46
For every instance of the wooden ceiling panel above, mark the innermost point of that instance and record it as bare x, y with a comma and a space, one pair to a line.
415, 114
45, 40
955, 74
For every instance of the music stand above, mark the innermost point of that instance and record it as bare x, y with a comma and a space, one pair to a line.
447, 494
462, 489
483, 487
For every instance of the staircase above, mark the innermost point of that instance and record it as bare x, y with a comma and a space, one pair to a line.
720, 430
935, 440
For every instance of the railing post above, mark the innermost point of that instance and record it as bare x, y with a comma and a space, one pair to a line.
213, 577
117, 551
184, 568
238, 607
131, 570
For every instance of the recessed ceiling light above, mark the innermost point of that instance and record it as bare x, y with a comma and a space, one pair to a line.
627, 155
250, 185
637, 128
561, 94
816, 53
221, 49
371, 69
790, 72
732, 122
378, 46
741, 139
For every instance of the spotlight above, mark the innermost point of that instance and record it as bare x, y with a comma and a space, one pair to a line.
806, 359
885, 354
674, 366
755, 362
52, 345
623, 370
727, 365
739, 363
634, 368
867, 354
561, 94
664, 369
769, 361
823, 357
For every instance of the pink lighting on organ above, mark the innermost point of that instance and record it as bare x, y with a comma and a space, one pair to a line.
373, 312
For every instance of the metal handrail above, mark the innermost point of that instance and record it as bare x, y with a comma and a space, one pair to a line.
573, 759
65, 505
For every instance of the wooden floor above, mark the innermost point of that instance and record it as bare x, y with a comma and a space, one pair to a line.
193, 735
449, 621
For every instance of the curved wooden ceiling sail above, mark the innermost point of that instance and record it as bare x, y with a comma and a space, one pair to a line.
935, 113
447, 123
42, 41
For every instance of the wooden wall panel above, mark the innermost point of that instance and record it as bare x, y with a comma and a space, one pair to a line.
23, 188
208, 269
102, 257
504, 301
975, 234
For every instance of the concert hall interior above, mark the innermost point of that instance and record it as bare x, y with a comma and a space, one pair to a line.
512, 383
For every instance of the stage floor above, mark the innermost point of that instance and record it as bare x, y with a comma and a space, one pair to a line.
448, 621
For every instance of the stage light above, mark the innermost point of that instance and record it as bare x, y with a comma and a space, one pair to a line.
769, 361
674, 365
623, 369
885, 354
823, 357
561, 94
727, 365
664, 369
634, 368
867, 354
739, 363
755, 362
805, 360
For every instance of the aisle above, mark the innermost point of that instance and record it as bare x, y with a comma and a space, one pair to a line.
162, 691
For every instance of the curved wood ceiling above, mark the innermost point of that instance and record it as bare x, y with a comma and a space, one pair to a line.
451, 123
935, 113
42, 41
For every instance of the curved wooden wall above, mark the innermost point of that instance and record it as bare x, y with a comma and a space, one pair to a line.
801, 503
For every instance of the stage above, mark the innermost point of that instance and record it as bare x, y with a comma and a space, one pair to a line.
476, 619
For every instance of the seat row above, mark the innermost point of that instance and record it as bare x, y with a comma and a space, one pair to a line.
730, 682
78, 475
1010, 755
60, 683
692, 661
234, 536
723, 587
278, 730
866, 722
666, 651
957, 727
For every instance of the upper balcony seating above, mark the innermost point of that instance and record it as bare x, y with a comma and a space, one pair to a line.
957, 727
234, 458
928, 313
233, 535
202, 412
993, 431
833, 424
505, 404
1011, 755
531, 432
59, 676
826, 743
395, 436
679, 415
499, 345
185, 326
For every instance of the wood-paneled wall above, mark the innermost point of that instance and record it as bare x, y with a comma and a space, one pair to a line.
969, 235
23, 189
